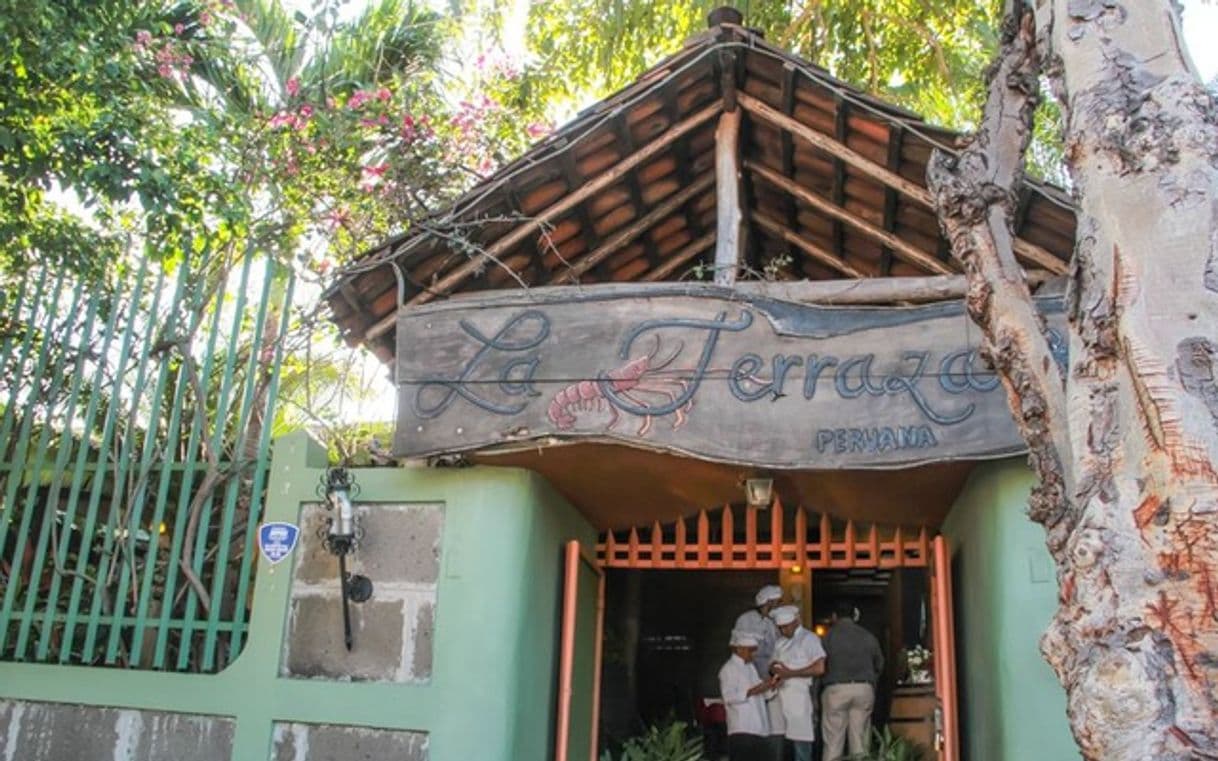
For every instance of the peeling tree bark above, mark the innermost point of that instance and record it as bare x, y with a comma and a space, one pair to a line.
1125, 442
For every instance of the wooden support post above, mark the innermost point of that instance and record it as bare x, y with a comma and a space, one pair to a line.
729, 243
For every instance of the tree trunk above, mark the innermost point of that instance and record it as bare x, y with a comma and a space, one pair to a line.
1125, 440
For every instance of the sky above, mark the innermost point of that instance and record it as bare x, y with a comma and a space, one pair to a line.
1200, 23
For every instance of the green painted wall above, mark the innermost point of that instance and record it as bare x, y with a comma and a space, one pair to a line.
1011, 705
493, 690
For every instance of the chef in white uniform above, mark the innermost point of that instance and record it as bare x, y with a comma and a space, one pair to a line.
743, 691
798, 658
758, 622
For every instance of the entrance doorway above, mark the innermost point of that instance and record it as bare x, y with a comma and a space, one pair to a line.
667, 620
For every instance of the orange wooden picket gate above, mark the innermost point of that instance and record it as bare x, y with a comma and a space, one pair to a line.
670, 546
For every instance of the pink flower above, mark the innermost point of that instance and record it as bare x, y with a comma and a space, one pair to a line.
165, 70
383, 94
205, 18
358, 99
293, 87
306, 111
281, 119
179, 28
376, 170
143, 37
537, 129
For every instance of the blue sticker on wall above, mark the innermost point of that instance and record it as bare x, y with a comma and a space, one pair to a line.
277, 540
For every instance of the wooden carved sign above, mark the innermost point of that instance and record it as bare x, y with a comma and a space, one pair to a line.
701, 370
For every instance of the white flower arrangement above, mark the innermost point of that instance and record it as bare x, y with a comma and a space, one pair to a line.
917, 665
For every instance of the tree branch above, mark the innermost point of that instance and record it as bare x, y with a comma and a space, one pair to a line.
975, 196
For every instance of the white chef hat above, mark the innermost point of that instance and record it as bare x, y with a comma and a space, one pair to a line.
767, 593
787, 614
744, 639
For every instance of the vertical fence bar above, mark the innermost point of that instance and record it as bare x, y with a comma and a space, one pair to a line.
776, 529
10, 339
111, 541
99, 475
13, 482
196, 439
23, 355
77, 480
51, 500
703, 539
240, 445
750, 536
680, 543
220, 417
136, 502
173, 436
729, 538
35, 473
260, 472
801, 536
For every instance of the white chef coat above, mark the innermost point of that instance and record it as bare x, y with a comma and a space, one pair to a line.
801, 650
746, 714
766, 631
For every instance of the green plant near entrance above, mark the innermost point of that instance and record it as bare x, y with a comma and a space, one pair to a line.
660, 742
886, 746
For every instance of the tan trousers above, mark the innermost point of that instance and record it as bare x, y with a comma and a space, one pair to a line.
846, 714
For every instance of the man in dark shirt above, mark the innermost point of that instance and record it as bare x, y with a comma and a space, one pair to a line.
853, 666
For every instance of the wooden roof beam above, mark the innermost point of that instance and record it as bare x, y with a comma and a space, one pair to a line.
759, 108
605, 179
689, 251
622, 130
626, 235
904, 250
821, 255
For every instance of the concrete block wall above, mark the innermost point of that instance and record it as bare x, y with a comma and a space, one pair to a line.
31, 731
394, 630
294, 741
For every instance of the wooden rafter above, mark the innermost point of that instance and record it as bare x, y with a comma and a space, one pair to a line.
909, 253
759, 108
605, 179
813, 250
623, 237
689, 251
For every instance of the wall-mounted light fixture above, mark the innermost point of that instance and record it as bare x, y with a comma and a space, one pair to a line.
759, 490
341, 535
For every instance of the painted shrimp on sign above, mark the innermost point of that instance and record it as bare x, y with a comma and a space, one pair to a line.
705, 371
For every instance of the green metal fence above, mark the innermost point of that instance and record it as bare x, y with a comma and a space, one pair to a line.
134, 439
